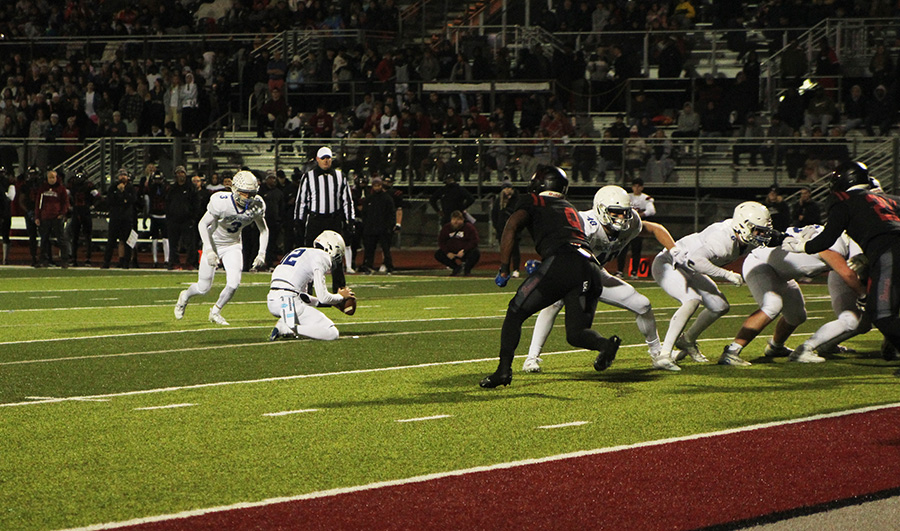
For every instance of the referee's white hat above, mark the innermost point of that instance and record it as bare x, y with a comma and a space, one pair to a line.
324, 152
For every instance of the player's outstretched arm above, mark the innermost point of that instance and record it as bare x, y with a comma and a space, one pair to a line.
659, 232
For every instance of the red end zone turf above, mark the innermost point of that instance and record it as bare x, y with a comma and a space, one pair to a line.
685, 484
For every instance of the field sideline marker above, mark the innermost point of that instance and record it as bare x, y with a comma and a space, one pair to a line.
485, 468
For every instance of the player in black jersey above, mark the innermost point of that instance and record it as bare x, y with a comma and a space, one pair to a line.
568, 271
873, 221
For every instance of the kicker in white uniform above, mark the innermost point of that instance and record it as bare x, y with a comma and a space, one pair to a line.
220, 229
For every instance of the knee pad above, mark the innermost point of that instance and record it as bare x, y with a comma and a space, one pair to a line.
849, 320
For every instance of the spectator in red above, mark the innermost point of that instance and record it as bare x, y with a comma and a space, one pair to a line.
321, 124
49, 215
272, 115
384, 72
458, 245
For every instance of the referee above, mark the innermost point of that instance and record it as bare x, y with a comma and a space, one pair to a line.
324, 201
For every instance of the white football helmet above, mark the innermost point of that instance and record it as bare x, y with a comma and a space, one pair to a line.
332, 243
613, 206
752, 223
244, 181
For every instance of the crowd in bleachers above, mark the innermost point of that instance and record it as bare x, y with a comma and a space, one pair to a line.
68, 99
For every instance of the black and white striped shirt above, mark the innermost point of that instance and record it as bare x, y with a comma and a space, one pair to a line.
323, 192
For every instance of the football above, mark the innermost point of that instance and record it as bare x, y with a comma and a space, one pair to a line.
347, 306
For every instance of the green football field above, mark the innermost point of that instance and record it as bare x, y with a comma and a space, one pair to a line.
110, 409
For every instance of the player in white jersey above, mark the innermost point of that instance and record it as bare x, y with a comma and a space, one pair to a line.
220, 229
289, 298
684, 273
609, 227
771, 275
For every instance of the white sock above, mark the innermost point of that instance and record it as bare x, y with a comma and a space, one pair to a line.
165, 246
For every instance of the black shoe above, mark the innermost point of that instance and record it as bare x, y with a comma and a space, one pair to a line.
498, 378
888, 351
607, 353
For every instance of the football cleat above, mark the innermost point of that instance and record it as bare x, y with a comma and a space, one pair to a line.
804, 354
216, 317
274, 335
496, 379
776, 352
664, 363
689, 349
607, 353
888, 351
532, 365
181, 304
733, 359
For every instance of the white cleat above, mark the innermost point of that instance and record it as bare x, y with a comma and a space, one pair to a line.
664, 363
689, 349
734, 360
382, 269
777, 352
532, 365
181, 304
216, 317
804, 354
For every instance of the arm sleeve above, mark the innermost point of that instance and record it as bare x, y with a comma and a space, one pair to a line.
206, 227
837, 222
322, 293
299, 203
650, 209
263, 234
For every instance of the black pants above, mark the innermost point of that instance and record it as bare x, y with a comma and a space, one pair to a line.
119, 230
54, 228
370, 242
32, 231
81, 224
178, 232
637, 247
316, 224
569, 276
883, 298
469, 261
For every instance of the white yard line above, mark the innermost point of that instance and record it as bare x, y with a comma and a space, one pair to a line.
473, 470
169, 406
294, 412
420, 419
566, 425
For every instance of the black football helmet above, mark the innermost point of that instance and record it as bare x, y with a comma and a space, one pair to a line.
848, 175
549, 179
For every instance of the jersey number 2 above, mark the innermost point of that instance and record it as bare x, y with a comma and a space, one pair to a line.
291, 258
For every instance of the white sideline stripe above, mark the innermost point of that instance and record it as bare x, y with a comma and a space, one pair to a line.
46, 297
317, 375
259, 343
282, 413
169, 406
437, 308
486, 468
162, 332
433, 417
106, 299
566, 425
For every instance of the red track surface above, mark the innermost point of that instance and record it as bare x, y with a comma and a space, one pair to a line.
680, 485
